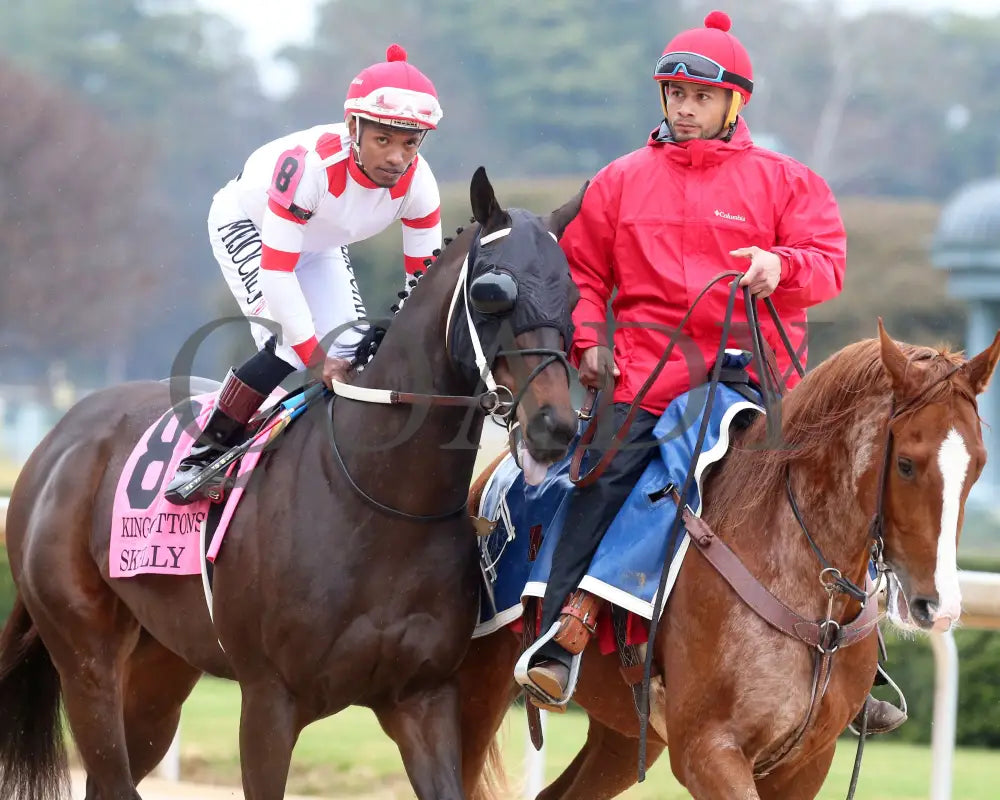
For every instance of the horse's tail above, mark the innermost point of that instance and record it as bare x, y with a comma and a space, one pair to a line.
493, 784
32, 752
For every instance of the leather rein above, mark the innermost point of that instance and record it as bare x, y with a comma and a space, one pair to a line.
497, 401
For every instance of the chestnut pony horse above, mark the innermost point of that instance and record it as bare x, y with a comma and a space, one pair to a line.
736, 691
323, 598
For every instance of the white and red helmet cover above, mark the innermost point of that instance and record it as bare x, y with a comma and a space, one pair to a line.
394, 92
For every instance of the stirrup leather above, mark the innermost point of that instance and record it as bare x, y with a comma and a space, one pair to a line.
578, 621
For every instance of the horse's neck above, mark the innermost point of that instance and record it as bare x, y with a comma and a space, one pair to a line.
413, 356
430, 446
834, 491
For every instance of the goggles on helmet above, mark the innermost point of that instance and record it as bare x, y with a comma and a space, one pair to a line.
699, 68
401, 108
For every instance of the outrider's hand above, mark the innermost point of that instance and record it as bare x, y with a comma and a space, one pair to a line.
764, 272
598, 369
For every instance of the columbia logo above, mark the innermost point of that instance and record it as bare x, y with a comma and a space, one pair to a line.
734, 217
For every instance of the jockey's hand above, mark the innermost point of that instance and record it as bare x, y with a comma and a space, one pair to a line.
328, 368
764, 272
598, 369
335, 369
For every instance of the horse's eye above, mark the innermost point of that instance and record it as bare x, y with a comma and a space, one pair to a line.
905, 467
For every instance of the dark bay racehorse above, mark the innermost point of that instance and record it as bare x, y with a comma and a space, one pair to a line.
735, 696
323, 598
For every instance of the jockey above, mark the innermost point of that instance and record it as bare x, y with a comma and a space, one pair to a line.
656, 225
281, 228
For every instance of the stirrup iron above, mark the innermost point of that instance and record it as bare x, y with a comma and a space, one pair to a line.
530, 688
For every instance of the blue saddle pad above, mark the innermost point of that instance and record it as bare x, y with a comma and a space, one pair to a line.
628, 564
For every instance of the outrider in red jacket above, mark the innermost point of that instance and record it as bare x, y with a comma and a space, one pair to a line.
657, 224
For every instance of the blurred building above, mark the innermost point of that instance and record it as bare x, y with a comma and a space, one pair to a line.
967, 246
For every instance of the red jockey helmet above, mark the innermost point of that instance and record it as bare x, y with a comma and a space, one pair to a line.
709, 55
394, 92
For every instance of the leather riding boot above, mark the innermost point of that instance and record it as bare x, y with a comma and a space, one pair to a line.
883, 716
577, 624
236, 404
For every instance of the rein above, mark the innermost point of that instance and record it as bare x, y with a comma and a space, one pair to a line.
589, 478
497, 402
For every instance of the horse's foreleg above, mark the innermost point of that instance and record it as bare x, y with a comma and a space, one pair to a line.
157, 683
711, 769
798, 781
605, 767
269, 727
426, 729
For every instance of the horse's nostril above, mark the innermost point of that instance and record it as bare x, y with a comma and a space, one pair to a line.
923, 609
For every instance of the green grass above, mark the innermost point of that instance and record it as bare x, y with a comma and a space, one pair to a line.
348, 755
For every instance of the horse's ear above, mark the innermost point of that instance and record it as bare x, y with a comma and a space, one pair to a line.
564, 215
485, 208
895, 362
980, 368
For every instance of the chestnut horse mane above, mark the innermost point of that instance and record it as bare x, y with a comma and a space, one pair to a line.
816, 413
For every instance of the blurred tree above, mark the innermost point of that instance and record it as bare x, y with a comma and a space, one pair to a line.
76, 221
527, 88
174, 82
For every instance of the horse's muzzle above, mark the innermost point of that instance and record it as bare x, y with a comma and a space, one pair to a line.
548, 435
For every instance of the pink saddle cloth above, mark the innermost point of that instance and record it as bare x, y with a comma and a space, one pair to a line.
150, 535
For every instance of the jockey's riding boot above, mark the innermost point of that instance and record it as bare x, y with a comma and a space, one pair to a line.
550, 672
577, 624
236, 404
883, 716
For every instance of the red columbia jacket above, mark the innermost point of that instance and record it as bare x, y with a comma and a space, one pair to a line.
657, 224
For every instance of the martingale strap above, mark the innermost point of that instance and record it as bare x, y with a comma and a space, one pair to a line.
825, 635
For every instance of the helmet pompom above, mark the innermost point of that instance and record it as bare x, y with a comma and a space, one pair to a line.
396, 53
718, 19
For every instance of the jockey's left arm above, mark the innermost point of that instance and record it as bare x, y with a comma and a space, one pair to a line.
810, 242
421, 218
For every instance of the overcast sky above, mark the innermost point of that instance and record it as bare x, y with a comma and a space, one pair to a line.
269, 25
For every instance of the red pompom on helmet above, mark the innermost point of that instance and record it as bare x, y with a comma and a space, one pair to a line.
710, 55
394, 92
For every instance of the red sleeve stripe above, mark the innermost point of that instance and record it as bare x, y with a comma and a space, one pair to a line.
305, 350
414, 263
429, 221
277, 260
284, 213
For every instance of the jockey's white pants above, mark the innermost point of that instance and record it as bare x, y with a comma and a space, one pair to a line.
326, 279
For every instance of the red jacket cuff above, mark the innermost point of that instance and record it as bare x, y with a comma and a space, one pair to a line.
307, 349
